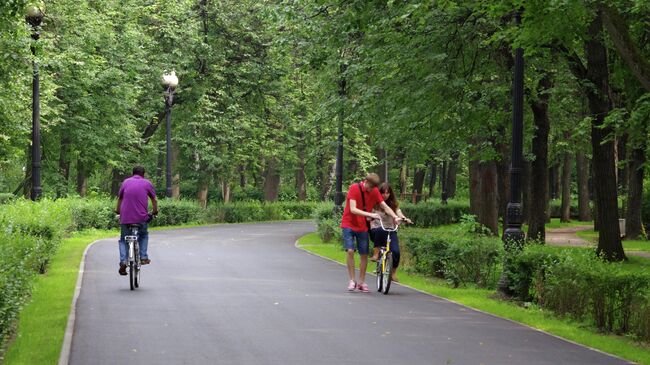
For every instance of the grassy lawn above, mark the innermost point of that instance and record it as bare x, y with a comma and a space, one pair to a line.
43, 320
484, 300
631, 245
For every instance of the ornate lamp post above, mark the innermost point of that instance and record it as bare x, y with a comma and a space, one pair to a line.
169, 83
513, 237
34, 16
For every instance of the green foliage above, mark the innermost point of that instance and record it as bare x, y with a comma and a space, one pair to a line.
473, 260
258, 211
575, 283
431, 214
175, 212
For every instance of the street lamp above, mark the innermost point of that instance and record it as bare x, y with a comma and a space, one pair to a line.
513, 237
169, 82
34, 16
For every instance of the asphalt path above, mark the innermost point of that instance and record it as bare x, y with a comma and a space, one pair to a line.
243, 294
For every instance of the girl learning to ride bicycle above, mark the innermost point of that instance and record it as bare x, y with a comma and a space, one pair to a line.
378, 235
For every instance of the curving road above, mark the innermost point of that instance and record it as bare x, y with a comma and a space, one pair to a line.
243, 294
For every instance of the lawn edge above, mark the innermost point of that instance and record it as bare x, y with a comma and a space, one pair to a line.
297, 245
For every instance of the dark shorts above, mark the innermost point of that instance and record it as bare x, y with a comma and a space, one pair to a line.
361, 238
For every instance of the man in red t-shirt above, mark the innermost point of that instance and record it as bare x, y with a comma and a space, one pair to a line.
361, 199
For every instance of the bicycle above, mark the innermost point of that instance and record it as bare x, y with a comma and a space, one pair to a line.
133, 258
385, 263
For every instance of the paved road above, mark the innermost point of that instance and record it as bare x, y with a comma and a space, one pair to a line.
243, 294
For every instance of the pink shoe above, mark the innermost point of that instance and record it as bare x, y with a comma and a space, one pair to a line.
352, 285
363, 287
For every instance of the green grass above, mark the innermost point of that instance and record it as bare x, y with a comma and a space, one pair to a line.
43, 320
484, 300
631, 245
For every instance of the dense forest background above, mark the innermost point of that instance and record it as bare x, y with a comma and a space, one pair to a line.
421, 88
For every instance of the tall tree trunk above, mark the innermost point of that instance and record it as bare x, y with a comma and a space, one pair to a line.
117, 177
432, 179
242, 176
301, 180
202, 194
474, 187
403, 172
503, 167
225, 191
64, 165
418, 183
567, 169
82, 179
609, 240
488, 213
539, 174
271, 180
554, 182
621, 166
452, 174
633, 221
582, 167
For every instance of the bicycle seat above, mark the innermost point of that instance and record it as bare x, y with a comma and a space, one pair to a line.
135, 225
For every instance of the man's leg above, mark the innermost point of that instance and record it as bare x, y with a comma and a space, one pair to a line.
348, 246
350, 263
143, 240
122, 243
362, 242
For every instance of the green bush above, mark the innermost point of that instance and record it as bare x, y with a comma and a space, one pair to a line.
432, 214
174, 212
427, 252
6, 198
577, 284
257, 211
473, 260
93, 213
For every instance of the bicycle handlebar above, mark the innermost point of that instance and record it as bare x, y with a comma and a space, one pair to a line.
381, 222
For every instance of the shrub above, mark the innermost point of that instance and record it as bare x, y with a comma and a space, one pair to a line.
6, 198
93, 213
427, 252
257, 211
431, 214
173, 212
472, 260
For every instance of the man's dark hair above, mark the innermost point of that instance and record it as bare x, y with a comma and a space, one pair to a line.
138, 170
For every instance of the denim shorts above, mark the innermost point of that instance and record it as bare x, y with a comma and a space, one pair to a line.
361, 241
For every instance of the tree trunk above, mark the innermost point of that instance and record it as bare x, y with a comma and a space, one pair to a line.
202, 194
554, 182
382, 157
539, 174
242, 176
621, 166
633, 220
64, 166
503, 167
418, 183
609, 240
452, 174
584, 212
402, 179
271, 180
567, 169
301, 185
474, 187
432, 179
225, 191
82, 179
488, 213
160, 167
443, 182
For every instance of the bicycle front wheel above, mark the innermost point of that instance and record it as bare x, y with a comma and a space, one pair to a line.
379, 274
386, 279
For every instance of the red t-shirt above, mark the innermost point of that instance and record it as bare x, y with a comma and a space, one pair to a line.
354, 221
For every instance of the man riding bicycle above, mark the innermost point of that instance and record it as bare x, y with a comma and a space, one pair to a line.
133, 208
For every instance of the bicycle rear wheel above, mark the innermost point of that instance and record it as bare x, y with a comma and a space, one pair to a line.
386, 279
132, 275
137, 266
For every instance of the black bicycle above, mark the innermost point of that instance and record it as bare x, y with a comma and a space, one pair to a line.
133, 259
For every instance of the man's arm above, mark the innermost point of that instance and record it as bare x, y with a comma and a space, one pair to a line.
357, 211
154, 203
401, 215
390, 212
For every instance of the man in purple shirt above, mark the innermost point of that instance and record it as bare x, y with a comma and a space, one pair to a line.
133, 208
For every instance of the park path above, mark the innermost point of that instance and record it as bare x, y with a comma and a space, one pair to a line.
568, 237
243, 294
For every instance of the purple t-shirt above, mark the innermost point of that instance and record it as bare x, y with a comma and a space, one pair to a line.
135, 192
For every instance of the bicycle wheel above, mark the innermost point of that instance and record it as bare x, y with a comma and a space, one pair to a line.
137, 267
378, 273
386, 280
132, 274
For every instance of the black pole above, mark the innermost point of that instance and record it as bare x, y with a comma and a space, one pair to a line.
169, 100
513, 237
36, 118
